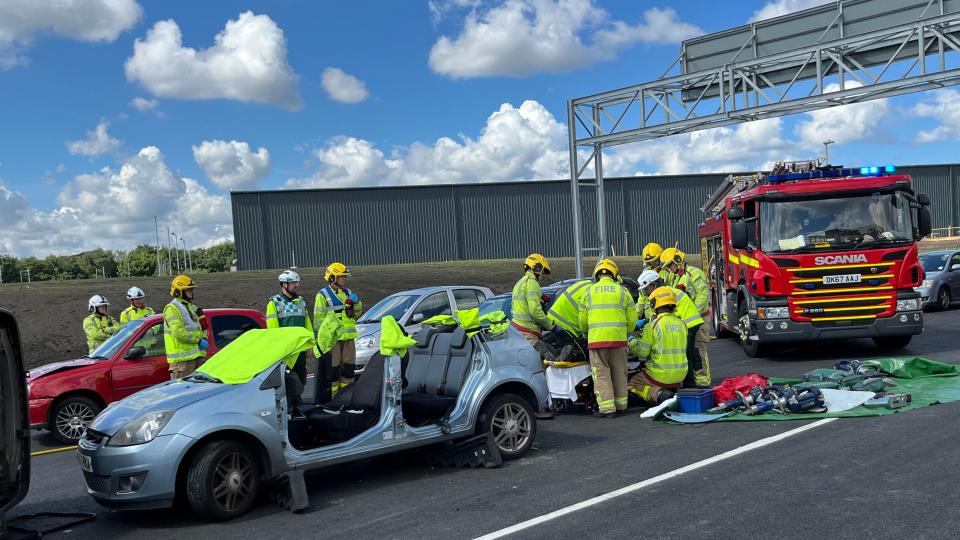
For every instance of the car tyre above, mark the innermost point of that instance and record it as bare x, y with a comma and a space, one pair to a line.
892, 343
752, 348
513, 423
943, 299
223, 481
70, 417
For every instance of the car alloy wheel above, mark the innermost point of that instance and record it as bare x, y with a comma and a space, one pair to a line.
235, 481
70, 418
943, 299
511, 427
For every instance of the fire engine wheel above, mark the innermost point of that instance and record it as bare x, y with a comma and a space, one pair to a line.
752, 348
718, 330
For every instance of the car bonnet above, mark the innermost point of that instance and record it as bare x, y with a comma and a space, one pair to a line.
170, 395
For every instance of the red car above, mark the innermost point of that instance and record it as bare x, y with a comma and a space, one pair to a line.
65, 396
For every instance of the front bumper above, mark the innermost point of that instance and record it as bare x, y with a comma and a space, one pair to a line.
905, 323
40, 412
925, 297
159, 459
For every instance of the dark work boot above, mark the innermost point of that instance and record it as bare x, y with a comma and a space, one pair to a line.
599, 414
664, 395
546, 351
565, 353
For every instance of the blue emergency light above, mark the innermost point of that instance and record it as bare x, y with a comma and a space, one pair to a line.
830, 173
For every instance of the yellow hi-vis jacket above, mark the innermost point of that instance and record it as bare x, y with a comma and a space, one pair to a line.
328, 300
565, 311
664, 344
98, 328
686, 310
181, 331
526, 312
610, 315
132, 314
694, 282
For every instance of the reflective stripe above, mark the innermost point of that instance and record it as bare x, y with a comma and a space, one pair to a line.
669, 366
692, 318
562, 320
607, 325
593, 307
182, 355
272, 316
189, 324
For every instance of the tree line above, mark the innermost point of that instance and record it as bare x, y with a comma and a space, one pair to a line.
99, 263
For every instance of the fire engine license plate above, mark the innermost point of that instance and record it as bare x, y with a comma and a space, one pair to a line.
845, 278
85, 462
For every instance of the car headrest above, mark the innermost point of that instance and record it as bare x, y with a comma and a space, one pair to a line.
459, 338
427, 332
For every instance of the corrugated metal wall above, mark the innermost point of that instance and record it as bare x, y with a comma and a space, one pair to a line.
491, 221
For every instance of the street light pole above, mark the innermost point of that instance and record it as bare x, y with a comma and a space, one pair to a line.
826, 150
186, 255
176, 252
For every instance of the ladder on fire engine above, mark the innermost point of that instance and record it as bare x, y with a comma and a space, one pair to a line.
739, 183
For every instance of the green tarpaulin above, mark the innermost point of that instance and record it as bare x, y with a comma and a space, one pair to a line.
928, 382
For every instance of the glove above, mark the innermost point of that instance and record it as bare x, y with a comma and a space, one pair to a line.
641, 323
203, 344
557, 330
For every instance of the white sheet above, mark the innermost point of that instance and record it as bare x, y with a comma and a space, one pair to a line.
562, 382
844, 400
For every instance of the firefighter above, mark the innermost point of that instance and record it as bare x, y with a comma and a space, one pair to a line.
136, 309
337, 299
290, 309
693, 281
565, 313
609, 316
685, 310
527, 310
663, 345
98, 326
651, 259
184, 336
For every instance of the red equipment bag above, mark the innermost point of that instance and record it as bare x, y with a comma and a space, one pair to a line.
725, 391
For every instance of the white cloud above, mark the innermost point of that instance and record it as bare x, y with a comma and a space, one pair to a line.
232, 165
247, 62
23, 21
517, 143
943, 106
343, 87
522, 37
782, 7
98, 142
844, 124
144, 104
114, 209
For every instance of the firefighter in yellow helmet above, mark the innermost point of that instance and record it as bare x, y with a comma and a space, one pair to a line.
609, 316
337, 300
184, 329
527, 311
692, 281
664, 347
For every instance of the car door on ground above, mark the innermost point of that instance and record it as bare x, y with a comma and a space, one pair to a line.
130, 375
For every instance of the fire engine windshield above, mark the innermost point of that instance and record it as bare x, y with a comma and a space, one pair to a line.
844, 223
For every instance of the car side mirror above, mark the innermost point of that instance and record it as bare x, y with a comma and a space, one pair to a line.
735, 213
416, 318
135, 352
738, 234
923, 199
924, 221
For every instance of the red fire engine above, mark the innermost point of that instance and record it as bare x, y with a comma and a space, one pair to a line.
810, 253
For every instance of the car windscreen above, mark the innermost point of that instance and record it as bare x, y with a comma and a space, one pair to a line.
110, 347
395, 306
839, 223
501, 303
934, 262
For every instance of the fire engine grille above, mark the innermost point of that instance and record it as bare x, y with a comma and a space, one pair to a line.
855, 292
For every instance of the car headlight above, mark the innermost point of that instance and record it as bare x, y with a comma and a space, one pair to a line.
908, 305
366, 343
773, 312
927, 283
142, 429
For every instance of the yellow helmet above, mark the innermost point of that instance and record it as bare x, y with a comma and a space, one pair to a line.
180, 284
672, 255
651, 253
663, 296
608, 265
336, 270
538, 263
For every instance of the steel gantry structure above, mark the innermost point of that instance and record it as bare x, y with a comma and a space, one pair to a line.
848, 51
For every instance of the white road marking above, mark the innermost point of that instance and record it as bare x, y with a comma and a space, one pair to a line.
650, 481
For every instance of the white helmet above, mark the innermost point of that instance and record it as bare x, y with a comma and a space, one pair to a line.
134, 293
647, 278
96, 301
289, 276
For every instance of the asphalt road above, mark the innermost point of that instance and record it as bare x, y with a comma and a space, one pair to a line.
884, 477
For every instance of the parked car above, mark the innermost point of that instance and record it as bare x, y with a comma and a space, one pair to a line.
14, 420
941, 282
216, 444
65, 396
410, 308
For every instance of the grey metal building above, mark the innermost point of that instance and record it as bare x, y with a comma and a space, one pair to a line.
408, 224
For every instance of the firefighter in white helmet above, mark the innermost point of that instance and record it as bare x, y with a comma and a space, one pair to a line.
136, 309
98, 326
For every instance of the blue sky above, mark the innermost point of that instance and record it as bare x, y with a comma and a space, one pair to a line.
100, 134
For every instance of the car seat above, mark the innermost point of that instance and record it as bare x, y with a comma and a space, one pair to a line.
436, 371
354, 409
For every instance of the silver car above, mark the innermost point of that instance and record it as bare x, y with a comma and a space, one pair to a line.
412, 307
217, 444
941, 283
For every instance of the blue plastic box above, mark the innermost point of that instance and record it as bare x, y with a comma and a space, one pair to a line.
695, 400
